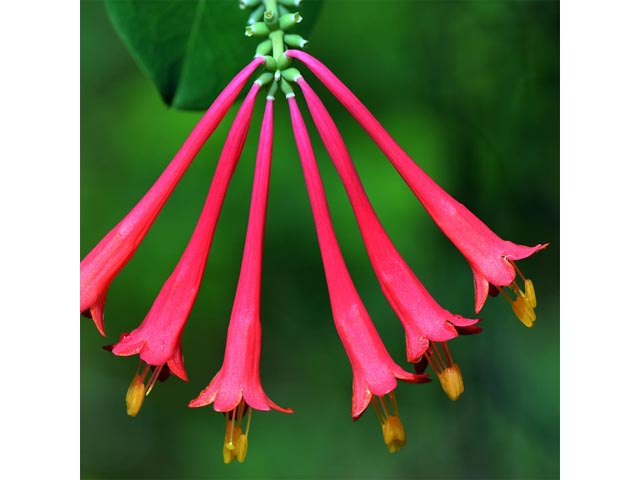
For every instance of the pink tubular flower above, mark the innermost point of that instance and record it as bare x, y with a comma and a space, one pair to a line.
111, 254
157, 339
237, 386
421, 316
374, 371
424, 321
491, 258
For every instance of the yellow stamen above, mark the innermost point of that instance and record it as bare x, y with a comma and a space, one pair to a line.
135, 395
451, 381
236, 443
138, 390
446, 369
392, 429
530, 293
525, 302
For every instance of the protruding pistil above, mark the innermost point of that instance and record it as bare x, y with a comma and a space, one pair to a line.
392, 429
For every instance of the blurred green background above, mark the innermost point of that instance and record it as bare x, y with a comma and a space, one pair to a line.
470, 89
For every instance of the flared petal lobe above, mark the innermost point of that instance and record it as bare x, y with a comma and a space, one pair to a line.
239, 377
113, 252
374, 371
157, 339
487, 253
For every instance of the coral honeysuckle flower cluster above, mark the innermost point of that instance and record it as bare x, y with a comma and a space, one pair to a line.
236, 388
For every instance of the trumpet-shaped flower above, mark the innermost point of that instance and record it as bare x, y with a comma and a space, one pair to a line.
423, 319
490, 257
113, 252
157, 339
237, 388
374, 371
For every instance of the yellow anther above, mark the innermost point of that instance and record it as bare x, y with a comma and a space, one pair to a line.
393, 434
232, 441
241, 447
138, 390
525, 302
446, 369
392, 429
524, 311
227, 454
236, 443
530, 293
451, 381
135, 395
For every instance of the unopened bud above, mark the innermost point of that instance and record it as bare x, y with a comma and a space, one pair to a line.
265, 79
289, 20
258, 29
248, 3
291, 74
264, 48
283, 62
256, 15
270, 63
295, 41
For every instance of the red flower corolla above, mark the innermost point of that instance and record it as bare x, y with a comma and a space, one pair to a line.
490, 257
374, 371
157, 339
111, 254
237, 388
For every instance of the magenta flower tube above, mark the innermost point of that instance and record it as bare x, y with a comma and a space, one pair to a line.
237, 388
157, 339
374, 371
423, 319
111, 254
490, 257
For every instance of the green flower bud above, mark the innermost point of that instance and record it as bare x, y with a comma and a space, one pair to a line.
258, 29
295, 41
291, 74
270, 63
291, 3
282, 10
256, 16
289, 20
283, 62
264, 48
265, 78
248, 3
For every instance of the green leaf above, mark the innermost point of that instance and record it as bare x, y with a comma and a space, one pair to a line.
191, 49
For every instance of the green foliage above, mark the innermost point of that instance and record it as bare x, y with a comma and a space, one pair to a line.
190, 48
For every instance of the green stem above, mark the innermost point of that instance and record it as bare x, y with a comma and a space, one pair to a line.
277, 37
